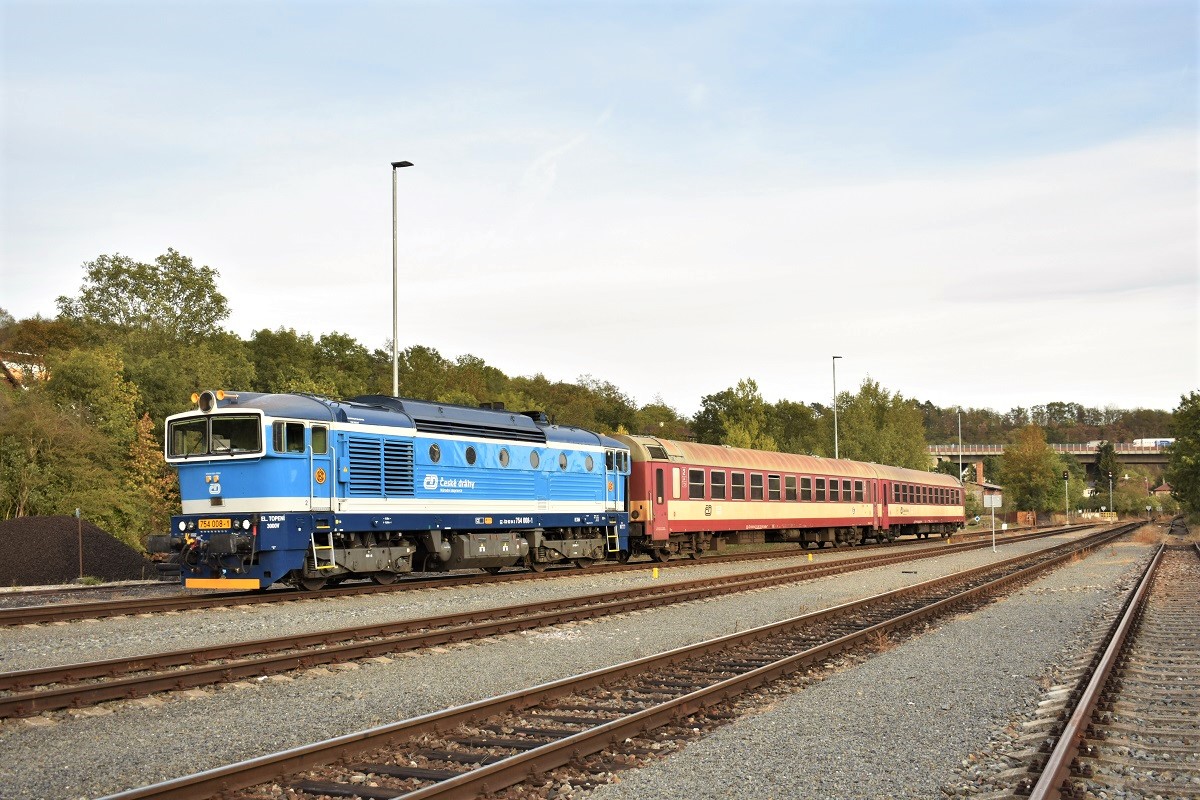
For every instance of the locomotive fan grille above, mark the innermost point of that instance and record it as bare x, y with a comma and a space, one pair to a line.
380, 468
480, 431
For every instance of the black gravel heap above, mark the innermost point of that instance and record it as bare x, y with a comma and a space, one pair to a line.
45, 550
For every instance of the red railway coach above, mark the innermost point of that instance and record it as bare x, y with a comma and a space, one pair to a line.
683, 495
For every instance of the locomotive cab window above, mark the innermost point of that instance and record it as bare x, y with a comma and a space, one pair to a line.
738, 485
609, 459
288, 437
225, 435
695, 484
320, 440
718, 485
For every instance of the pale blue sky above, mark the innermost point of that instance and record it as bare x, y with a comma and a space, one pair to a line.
667, 196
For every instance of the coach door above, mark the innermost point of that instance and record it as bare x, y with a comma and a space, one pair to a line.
320, 469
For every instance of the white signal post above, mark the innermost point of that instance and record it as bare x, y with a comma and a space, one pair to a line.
991, 501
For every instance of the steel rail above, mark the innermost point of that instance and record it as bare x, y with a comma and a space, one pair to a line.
496, 776
64, 612
1058, 765
379, 639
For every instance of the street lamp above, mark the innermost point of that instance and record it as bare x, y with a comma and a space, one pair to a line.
960, 474
835, 441
395, 287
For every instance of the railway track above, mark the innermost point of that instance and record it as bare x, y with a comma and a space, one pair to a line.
1135, 730
603, 715
67, 612
29, 692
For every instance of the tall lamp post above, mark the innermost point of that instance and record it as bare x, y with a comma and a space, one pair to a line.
835, 439
960, 474
396, 287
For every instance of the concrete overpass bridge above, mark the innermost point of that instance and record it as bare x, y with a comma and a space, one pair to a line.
1085, 453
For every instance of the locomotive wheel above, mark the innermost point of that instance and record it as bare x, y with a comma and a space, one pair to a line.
312, 584
535, 566
384, 578
583, 563
622, 556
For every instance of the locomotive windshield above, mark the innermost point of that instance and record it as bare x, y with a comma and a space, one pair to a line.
216, 435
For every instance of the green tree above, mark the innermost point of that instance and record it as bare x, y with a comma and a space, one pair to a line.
1107, 463
876, 425
91, 384
738, 416
794, 427
1183, 468
172, 296
1029, 471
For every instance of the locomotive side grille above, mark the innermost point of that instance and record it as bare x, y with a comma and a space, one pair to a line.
398, 469
380, 468
480, 431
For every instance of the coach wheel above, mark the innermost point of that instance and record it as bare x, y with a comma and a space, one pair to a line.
660, 554
384, 578
313, 584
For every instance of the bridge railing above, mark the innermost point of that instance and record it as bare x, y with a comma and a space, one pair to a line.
988, 449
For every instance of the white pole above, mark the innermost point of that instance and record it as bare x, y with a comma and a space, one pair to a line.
395, 288
835, 438
993, 529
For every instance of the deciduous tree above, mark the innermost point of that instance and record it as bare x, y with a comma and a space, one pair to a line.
1183, 469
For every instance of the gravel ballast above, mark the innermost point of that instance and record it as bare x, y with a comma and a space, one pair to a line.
135, 743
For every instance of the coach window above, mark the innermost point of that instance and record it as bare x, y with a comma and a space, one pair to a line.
589, 462
471, 455
756, 486
820, 490
772, 487
858, 491
789, 487
695, 484
833, 490
503, 457
738, 485
806, 488
896, 493
534, 459
718, 484
846, 491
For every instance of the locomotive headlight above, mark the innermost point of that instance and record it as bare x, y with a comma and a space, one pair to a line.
245, 524
207, 401
182, 526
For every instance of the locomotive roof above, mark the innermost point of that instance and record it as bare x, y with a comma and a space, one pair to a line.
648, 448
425, 416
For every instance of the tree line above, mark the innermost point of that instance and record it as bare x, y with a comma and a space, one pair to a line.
139, 338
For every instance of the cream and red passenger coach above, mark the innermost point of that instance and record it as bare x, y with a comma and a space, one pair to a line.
682, 495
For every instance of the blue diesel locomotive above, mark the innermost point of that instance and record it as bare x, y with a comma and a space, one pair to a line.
309, 491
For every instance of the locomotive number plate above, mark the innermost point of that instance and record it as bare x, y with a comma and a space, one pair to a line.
214, 524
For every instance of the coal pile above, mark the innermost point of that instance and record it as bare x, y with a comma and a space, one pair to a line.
45, 550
